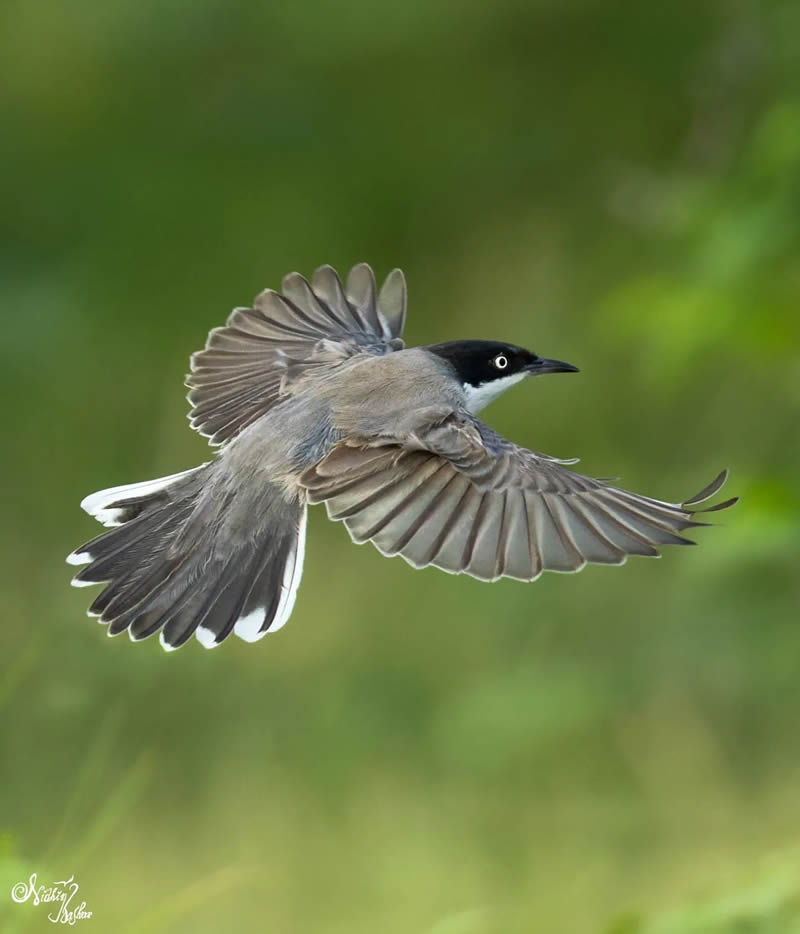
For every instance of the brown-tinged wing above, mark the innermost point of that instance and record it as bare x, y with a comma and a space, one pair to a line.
246, 365
477, 504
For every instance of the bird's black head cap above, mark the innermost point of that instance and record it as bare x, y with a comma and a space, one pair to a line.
477, 363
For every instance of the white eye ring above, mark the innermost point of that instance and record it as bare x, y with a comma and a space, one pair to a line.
500, 361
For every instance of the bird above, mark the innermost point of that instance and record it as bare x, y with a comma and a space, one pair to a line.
311, 396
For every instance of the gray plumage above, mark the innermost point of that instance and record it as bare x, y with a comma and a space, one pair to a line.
313, 398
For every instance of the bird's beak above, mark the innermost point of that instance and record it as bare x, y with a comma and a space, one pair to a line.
543, 365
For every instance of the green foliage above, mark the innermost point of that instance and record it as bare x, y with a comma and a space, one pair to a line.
770, 906
612, 184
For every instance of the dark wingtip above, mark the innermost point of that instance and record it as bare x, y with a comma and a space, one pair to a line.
708, 491
728, 502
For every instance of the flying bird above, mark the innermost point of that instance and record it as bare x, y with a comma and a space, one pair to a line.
312, 397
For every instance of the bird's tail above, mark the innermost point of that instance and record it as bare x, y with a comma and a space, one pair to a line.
180, 560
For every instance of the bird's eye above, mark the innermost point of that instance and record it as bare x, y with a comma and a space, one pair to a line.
500, 361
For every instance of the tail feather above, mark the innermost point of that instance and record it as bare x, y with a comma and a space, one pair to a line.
278, 581
109, 554
166, 578
213, 610
120, 504
168, 568
151, 621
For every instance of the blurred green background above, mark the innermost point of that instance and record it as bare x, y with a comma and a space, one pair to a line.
614, 184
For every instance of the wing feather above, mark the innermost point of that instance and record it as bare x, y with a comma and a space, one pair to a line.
361, 295
392, 304
248, 365
473, 503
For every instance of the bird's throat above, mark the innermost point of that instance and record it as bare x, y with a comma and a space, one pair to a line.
478, 397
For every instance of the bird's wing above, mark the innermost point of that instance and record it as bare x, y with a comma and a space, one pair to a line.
249, 364
468, 501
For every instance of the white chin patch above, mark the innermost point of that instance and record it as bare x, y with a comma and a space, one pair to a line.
478, 397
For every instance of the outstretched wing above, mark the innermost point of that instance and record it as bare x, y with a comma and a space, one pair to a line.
247, 365
477, 504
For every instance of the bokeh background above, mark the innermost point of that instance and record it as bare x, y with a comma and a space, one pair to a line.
615, 184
